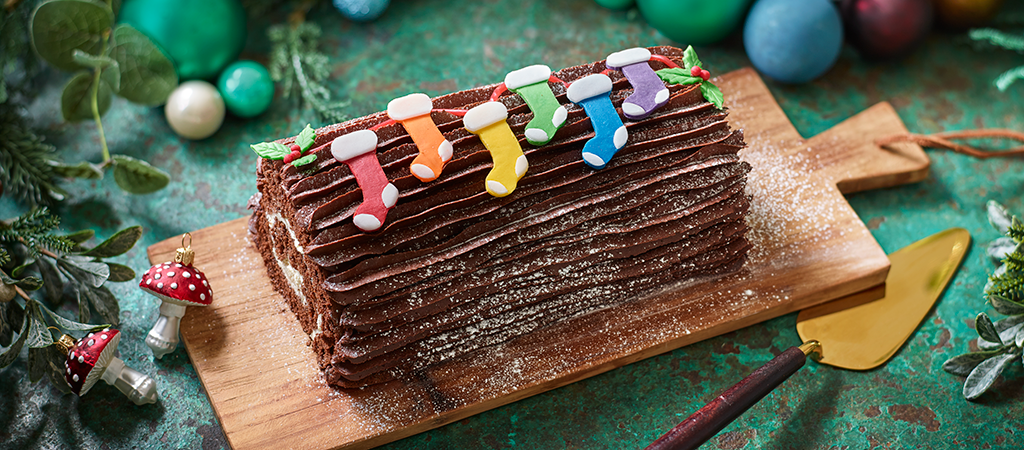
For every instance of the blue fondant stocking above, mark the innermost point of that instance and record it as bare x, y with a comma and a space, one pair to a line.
592, 93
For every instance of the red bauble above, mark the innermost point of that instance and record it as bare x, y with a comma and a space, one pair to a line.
886, 28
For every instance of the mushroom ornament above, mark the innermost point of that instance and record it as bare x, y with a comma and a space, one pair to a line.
178, 285
92, 359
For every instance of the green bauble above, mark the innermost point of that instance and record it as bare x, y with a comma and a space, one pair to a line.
247, 88
694, 22
615, 4
201, 36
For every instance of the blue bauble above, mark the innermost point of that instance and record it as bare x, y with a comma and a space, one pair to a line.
361, 10
793, 41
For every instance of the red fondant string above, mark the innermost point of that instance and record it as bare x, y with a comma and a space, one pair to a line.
498, 91
665, 60
383, 124
454, 112
555, 79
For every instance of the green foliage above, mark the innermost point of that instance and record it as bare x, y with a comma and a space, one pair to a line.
682, 76
27, 164
305, 138
59, 268
1004, 40
80, 35
1001, 341
270, 150
301, 69
274, 150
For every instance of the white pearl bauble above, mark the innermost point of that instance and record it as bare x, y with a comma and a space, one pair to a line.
195, 110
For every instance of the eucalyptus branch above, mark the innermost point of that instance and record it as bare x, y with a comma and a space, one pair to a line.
94, 101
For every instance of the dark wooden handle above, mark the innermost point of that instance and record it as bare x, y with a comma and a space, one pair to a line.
709, 420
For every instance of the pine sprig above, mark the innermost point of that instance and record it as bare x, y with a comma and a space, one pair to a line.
35, 230
1016, 231
1008, 41
301, 69
26, 162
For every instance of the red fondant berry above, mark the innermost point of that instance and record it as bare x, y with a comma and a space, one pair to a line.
289, 158
295, 148
705, 75
695, 71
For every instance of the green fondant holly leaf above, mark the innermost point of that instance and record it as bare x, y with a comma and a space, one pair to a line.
712, 94
305, 138
690, 59
270, 150
678, 76
304, 160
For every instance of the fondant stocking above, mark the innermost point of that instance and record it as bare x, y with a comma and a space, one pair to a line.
359, 151
592, 93
531, 83
488, 121
649, 92
413, 112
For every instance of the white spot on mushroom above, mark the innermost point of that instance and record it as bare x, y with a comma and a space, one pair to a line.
202, 296
106, 329
91, 342
177, 265
204, 283
174, 285
159, 285
90, 335
199, 276
157, 276
149, 281
170, 274
103, 336
69, 369
81, 360
72, 356
191, 287
75, 377
186, 274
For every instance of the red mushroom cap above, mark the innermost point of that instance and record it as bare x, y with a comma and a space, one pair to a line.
89, 358
177, 283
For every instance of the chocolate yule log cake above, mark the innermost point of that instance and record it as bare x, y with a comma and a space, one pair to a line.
442, 226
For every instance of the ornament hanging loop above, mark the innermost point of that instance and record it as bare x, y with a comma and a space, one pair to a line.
184, 254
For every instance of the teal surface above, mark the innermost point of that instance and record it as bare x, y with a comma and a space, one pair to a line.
908, 403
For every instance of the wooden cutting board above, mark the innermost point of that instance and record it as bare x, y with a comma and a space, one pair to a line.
809, 246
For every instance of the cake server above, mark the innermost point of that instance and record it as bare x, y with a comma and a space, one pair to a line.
855, 332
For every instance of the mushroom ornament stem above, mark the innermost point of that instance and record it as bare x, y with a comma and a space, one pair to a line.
177, 284
163, 338
137, 386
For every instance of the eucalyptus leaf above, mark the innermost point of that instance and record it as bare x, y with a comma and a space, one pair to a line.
120, 273
38, 335
147, 74
6, 331
1019, 340
999, 248
27, 283
1006, 306
987, 346
76, 100
91, 61
15, 315
986, 329
84, 170
14, 350
137, 176
982, 377
71, 325
17, 272
112, 77
998, 216
59, 27
84, 311
962, 365
118, 244
105, 304
1009, 335
93, 273
56, 375
79, 237
1012, 321
37, 364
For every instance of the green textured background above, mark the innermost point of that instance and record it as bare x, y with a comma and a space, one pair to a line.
908, 403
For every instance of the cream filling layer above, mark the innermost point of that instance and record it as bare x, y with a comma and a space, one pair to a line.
290, 273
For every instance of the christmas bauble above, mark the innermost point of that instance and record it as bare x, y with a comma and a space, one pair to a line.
200, 36
616, 4
793, 41
694, 22
961, 14
195, 110
246, 88
886, 28
361, 10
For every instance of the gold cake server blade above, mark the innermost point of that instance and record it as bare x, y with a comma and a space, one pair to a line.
859, 332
